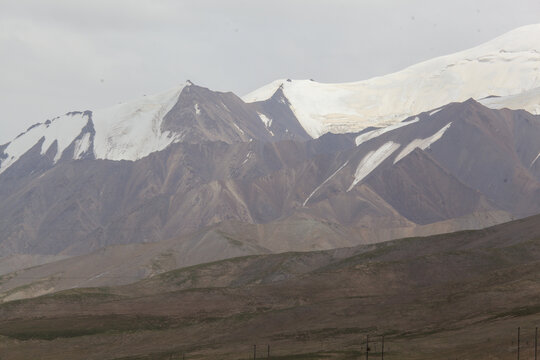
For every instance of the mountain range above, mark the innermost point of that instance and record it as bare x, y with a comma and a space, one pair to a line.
297, 165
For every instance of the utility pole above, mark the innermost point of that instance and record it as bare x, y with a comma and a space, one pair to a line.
268, 355
254, 352
536, 344
382, 348
518, 343
367, 347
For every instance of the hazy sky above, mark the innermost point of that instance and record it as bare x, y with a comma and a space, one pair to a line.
63, 55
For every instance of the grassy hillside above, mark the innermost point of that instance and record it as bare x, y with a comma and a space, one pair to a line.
453, 296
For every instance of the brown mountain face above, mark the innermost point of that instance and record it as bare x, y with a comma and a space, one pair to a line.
459, 295
499, 165
485, 156
202, 115
79, 206
284, 122
463, 167
422, 191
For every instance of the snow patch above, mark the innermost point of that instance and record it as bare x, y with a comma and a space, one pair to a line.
372, 160
265, 119
536, 158
249, 155
97, 276
362, 138
435, 111
226, 107
197, 109
324, 182
81, 146
267, 122
238, 128
421, 143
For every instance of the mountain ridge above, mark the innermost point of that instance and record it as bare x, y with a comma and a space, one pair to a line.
136, 129
77, 206
299, 109
384, 100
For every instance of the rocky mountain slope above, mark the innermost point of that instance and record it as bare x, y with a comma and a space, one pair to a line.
464, 165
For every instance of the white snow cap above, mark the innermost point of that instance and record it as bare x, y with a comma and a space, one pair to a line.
126, 131
61, 130
132, 130
507, 65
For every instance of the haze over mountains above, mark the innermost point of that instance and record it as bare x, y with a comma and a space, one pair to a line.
429, 149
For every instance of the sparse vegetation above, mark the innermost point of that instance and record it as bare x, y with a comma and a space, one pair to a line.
432, 298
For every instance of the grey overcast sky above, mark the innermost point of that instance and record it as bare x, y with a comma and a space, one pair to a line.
62, 55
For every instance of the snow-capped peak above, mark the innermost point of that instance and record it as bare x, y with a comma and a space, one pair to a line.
505, 66
265, 92
126, 131
59, 132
